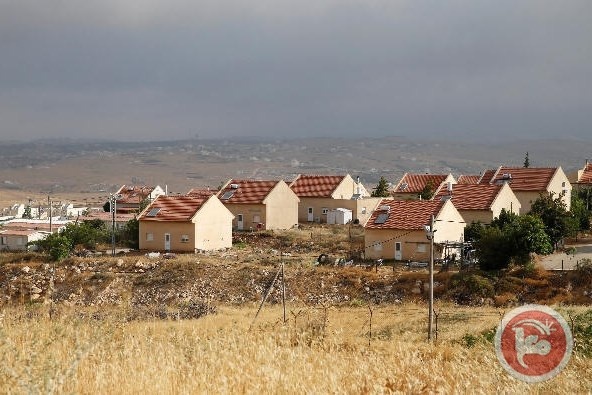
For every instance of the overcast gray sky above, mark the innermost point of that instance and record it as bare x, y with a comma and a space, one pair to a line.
162, 69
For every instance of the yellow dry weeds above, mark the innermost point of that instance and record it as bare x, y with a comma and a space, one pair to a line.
318, 350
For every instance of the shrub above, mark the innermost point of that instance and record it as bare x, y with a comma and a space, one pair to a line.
469, 288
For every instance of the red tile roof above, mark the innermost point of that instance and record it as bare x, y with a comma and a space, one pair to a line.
468, 179
20, 232
405, 214
586, 177
246, 191
309, 185
472, 196
107, 216
172, 208
32, 226
486, 176
133, 194
524, 178
415, 183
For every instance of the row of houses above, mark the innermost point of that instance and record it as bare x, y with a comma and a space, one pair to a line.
394, 226
204, 219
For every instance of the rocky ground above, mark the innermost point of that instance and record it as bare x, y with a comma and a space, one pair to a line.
243, 275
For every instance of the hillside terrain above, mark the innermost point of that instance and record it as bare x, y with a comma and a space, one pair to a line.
85, 172
242, 275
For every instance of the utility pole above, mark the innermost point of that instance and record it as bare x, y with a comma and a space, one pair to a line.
50, 214
430, 236
113, 203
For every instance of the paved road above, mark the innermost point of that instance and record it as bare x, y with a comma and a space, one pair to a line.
553, 262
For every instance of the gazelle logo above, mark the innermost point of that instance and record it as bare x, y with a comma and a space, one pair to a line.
533, 343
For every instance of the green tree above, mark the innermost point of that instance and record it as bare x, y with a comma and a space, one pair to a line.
504, 219
492, 249
553, 212
473, 231
526, 160
57, 245
526, 234
131, 233
585, 194
428, 191
143, 204
86, 234
510, 238
579, 211
381, 189
27, 213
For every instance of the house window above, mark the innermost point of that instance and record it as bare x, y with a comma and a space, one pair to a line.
421, 248
378, 247
184, 238
4, 240
256, 219
149, 236
325, 210
563, 184
19, 241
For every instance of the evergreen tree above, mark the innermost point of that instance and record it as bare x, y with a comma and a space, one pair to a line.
27, 213
428, 191
382, 188
526, 160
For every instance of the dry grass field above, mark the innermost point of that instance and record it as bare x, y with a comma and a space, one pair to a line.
318, 350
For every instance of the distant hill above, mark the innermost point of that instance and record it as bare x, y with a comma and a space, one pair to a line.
62, 167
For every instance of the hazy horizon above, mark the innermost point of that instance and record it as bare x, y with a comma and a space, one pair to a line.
179, 69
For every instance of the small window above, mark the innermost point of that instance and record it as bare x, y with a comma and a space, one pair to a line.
325, 210
421, 248
563, 184
149, 236
184, 238
4, 240
19, 241
378, 247
256, 219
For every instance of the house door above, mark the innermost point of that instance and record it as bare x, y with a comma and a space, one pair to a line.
167, 241
240, 224
310, 216
398, 251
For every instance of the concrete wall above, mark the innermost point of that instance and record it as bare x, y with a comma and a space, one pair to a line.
560, 184
483, 216
213, 226
449, 224
347, 188
281, 207
252, 214
380, 243
361, 209
158, 229
506, 199
18, 242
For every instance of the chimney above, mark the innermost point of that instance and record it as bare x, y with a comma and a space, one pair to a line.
358, 185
